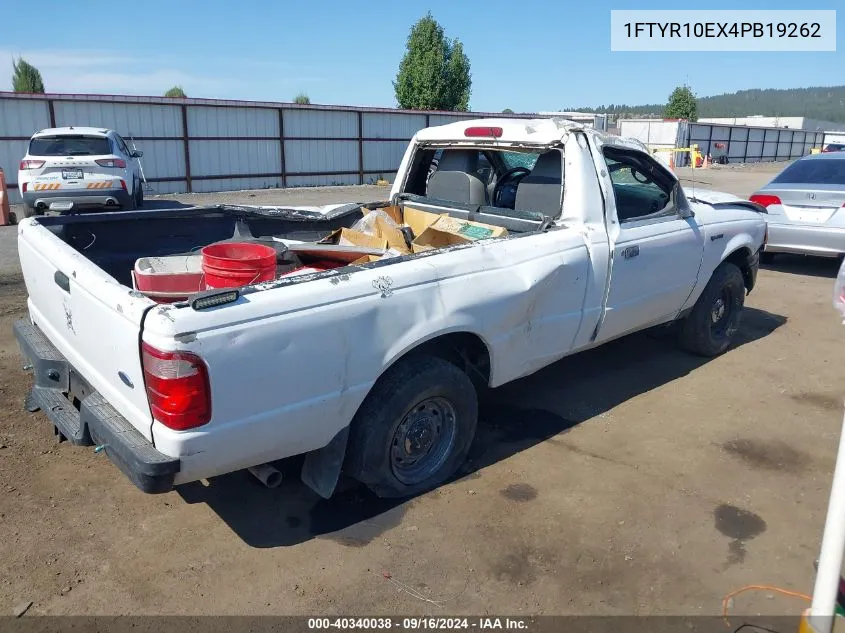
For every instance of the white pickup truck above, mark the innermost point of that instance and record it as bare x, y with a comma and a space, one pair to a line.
372, 369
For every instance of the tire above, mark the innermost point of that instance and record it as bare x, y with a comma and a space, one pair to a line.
130, 206
709, 329
423, 405
767, 258
139, 197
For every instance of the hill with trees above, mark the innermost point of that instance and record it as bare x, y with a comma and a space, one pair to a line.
824, 102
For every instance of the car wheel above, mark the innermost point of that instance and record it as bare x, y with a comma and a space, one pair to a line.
414, 428
709, 329
139, 195
130, 206
767, 258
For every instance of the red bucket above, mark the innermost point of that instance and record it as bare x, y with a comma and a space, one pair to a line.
236, 264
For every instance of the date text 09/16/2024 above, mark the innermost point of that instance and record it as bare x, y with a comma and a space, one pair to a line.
419, 623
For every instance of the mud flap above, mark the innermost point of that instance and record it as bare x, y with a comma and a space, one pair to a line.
321, 469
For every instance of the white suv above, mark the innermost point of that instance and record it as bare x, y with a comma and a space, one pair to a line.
68, 168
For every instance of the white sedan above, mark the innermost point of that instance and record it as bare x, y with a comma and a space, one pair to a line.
69, 168
806, 207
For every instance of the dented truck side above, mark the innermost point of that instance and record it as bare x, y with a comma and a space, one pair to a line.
368, 368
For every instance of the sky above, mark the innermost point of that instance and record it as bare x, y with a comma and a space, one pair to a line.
528, 56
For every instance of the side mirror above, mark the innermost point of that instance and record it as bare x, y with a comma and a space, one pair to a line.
136, 153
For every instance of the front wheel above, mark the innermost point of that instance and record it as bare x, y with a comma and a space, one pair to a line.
139, 194
709, 329
414, 429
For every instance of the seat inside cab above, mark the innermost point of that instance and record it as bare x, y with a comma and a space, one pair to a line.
519, 190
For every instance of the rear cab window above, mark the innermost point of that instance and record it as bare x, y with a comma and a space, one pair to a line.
488, 177
69, 145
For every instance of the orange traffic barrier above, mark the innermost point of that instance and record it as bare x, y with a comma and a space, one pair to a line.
5, 212
672, 161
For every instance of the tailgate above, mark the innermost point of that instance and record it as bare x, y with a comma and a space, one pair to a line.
90, 318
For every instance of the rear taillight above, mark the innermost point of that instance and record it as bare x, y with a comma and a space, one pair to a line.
765, 200
123, 184
23, 187
111, 162
31, 164
177, 388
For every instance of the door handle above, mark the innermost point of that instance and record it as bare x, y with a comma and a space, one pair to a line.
630, 251
62, 280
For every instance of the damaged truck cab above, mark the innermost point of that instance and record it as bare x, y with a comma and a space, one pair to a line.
522, 241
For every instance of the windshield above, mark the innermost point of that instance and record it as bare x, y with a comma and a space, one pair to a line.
66, 145
822, 171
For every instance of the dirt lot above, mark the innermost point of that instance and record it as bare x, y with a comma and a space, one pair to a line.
633, 479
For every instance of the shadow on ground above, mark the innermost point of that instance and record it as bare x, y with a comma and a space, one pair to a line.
512, 418
805, 265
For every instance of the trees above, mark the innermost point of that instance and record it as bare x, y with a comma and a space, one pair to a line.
682, 104
176, 91
302, 99
434, 74
25, 77
507, 111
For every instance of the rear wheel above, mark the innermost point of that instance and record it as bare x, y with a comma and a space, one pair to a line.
709, 329
414, 429
133, 198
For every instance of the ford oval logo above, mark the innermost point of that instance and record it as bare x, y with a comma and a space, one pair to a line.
125, 380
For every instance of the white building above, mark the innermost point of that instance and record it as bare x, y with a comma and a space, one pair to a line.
597, 121
786, 122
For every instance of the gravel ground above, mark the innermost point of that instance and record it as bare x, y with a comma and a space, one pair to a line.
632, 479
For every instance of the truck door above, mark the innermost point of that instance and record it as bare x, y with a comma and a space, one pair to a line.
656, 245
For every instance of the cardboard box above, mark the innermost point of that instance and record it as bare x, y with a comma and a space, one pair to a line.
348, 237
419, 220
392, 235
366, 259
433, 238
395, 213
446, 231
468, 229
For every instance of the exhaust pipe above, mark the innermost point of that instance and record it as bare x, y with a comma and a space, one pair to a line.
111, 202
268, 475
40, 205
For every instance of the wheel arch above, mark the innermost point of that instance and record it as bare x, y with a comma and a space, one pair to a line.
463, 348
743, 258
467, 350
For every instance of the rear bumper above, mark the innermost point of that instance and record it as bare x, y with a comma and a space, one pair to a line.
80, 198
806, 239
95, 421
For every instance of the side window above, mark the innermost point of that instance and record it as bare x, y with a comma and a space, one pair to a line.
641, 187
121, 145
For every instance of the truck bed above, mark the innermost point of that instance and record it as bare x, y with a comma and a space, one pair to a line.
114, 241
